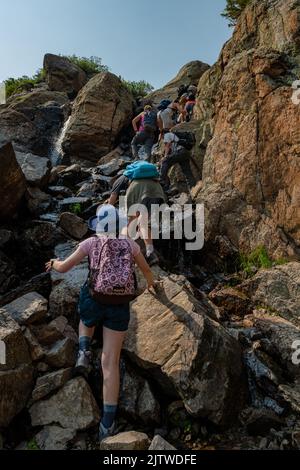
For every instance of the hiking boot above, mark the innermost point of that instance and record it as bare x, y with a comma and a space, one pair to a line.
104, 433
152, 259
83, 364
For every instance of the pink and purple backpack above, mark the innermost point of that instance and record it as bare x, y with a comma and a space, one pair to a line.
112, 277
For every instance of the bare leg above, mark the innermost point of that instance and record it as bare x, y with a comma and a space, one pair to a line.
85, 331
112, 346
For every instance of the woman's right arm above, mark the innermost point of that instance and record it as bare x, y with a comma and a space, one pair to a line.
67, 264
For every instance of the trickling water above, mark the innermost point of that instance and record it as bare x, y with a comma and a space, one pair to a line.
57, 151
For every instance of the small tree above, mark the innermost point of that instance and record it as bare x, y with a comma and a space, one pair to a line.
90, 65
138, 89
233, 10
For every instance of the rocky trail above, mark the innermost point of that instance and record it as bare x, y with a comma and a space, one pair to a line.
210, 362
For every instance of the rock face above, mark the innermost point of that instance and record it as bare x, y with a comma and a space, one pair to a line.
73, 407
12, 182
251, 167
101, 110
189, 74
16, 375
32, 121
36, 169
277, 289
63, 75
190, 355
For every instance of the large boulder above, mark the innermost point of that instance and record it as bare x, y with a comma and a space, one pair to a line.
16, 374
33, 120
189, 74
251, 167
191, 356
63, 75
73, 225
101, 110
73, 407
36, 169
12, 183
277, 289
30, 308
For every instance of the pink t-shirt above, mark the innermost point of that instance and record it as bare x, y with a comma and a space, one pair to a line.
87, 245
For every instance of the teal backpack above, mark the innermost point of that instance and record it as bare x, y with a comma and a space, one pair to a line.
141, 170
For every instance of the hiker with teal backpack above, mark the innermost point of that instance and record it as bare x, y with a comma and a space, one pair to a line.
146, 190
178, 146
146, 136
105, 299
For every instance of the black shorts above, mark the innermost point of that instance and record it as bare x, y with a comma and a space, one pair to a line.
92, 313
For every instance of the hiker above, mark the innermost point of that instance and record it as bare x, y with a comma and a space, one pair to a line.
167, 115
189, 107
182, 102
119, 185
144, 189
104, 299
178, 148
147, 135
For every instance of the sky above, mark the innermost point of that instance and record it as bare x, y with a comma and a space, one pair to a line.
138, 39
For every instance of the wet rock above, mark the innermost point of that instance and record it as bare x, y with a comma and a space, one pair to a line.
31, 308
63, 75
12, 183
50, 382
71, 175
126, 441
60, 191
54, 438
158, 443
180, 355
73, 225
36, 169
33, 120
277, 289
137, 400
259, 421
61, 354
66, 287
73, 407
101, 110
282, 334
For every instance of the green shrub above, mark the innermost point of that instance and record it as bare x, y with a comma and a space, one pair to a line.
258, 259
76, 208
233, 10
25, 83
90, 65
32, 445
138, 89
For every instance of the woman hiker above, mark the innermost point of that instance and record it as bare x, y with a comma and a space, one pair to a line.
105, 298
